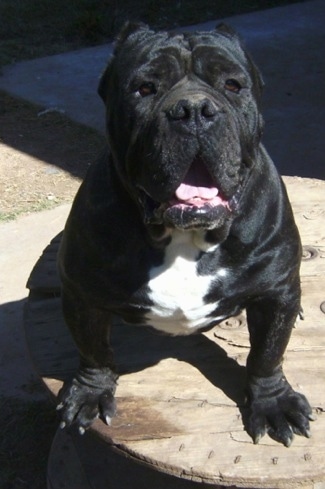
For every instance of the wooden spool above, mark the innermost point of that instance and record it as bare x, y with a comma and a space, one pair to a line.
178, 398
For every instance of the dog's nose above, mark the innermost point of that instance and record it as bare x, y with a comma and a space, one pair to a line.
200, 111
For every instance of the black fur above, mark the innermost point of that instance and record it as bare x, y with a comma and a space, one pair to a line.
174, 102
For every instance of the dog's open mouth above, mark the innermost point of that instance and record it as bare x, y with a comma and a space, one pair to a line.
196, 203
198, 189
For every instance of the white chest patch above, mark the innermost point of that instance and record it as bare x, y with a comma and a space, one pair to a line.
177, 291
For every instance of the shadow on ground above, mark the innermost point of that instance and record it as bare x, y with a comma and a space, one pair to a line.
48, 136
28, 419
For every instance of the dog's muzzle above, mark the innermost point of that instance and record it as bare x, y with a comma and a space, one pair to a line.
196, 203
199, 199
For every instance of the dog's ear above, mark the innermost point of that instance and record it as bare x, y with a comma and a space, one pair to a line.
256, 75
129, 30
103, 83
227, 31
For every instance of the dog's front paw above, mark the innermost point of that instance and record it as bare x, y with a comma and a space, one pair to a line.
275, 408
88, 396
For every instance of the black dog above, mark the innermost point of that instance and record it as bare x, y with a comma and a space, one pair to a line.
183, 223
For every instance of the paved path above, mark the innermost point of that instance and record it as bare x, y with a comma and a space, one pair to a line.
21, 243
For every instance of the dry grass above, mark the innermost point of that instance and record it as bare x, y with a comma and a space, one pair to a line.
43, 157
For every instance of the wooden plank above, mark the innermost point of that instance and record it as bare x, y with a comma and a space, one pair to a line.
307, 197
180, 400
306, 334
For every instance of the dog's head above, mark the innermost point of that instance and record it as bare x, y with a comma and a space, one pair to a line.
183, 123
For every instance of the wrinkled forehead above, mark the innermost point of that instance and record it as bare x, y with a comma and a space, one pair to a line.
217, 45
185, 49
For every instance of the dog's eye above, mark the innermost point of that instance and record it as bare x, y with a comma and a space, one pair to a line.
146, 89
233, 85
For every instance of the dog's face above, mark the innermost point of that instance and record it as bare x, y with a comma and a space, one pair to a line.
183, 123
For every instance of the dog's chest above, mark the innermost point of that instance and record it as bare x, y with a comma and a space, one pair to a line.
177, 291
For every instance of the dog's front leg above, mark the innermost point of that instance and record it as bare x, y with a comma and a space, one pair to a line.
90, 394
274, 407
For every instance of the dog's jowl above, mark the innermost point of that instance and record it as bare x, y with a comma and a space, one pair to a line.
183, 222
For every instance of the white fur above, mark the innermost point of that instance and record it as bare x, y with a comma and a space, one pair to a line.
177, 290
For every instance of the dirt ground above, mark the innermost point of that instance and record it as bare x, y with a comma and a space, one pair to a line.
43, 157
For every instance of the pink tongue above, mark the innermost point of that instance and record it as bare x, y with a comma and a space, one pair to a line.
187, 192
197, 184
